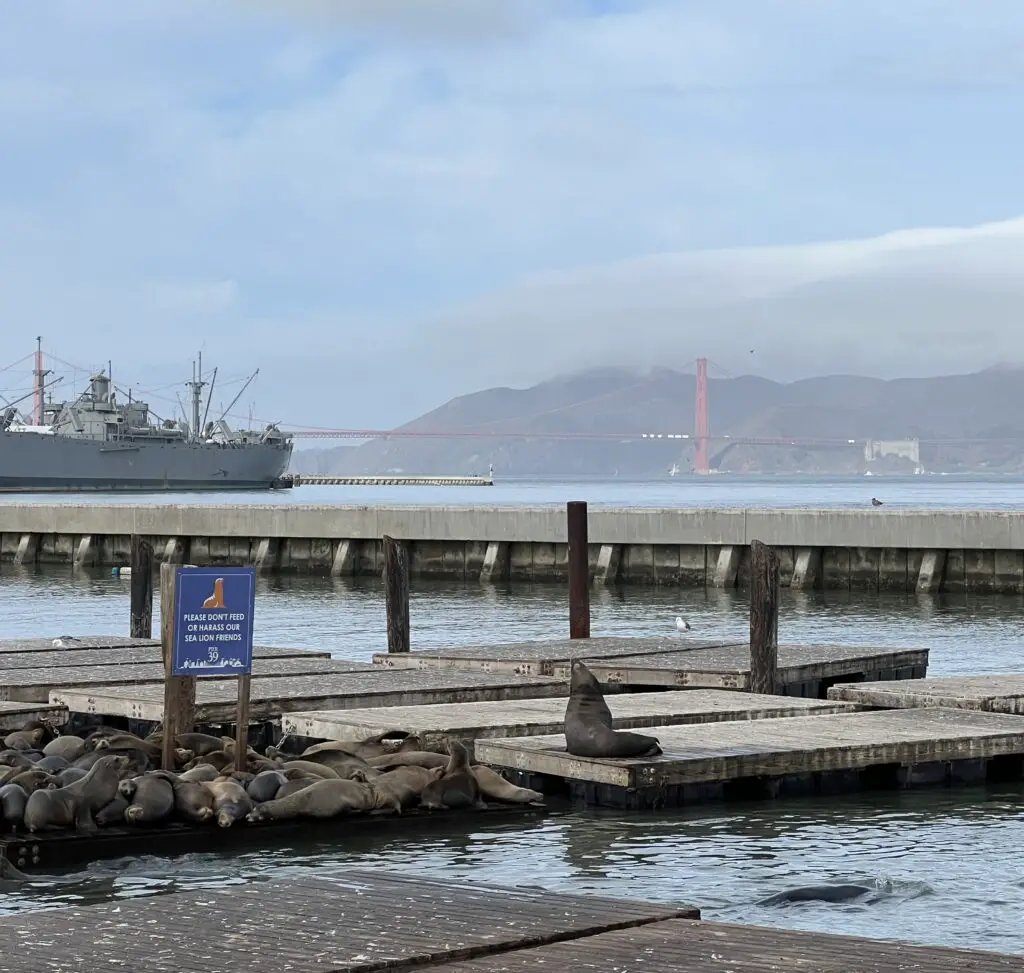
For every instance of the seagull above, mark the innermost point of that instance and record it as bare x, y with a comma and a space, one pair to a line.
875, 502
682, 624
65, 642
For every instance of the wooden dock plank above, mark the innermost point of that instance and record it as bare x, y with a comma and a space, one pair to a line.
995, 693
536, 658
728, 667
716, 752
80, 641
270, 697
678, 945
61, 658
35, 685
355, 922
437, 725
13, 716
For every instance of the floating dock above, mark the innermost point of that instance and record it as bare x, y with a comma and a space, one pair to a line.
766, 758
270, 697
364, 922
804, 670
437, 725
995, 693
313, 480
76, 643
13, 716
78, 658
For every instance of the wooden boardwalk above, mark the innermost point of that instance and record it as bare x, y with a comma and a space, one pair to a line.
81, 641
466, 722
365, 922
35, 685
13, 716
809, 754
270, 697
74, 658
685, 946
360, 921
996, 693
538, 658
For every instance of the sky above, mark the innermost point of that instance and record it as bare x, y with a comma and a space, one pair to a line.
385, 203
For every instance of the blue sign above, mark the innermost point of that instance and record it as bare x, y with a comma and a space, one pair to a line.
213, 621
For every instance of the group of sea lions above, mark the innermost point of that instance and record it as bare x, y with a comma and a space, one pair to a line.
111, 777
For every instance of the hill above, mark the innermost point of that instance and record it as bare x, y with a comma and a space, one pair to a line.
979, 405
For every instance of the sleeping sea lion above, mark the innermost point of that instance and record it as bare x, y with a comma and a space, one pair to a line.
409, 758
320, 799
398, 788
265, 785
294, 785
588, 723
312, 768
455, 787
230, 801
343, 764
200, 773
192, 800
495, 786
150, 799
52, 765
69, 747
12, 806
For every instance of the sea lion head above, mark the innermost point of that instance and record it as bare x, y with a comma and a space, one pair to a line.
581, 678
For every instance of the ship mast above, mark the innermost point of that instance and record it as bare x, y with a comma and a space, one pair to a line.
40, 376
197, 384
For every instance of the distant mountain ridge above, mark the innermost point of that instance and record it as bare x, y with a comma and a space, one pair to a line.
987, 404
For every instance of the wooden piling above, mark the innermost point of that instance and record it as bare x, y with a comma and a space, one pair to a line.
764, 619
396, 594
579, 569
242, 723
179, 691
141, 588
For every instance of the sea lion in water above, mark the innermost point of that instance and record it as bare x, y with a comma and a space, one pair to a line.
265, 785
150, 799
77, 803
12, 805
495, 786
230, 801
69, 747
320, 799
588, 723
820, 893
455, 787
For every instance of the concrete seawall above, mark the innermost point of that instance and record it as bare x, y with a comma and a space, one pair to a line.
861, 549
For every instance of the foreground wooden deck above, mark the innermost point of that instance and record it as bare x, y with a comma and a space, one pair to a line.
270, 697
714, 761
669, 662
996, 693
466, 722
363, 922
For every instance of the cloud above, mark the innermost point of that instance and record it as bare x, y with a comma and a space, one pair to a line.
499, 190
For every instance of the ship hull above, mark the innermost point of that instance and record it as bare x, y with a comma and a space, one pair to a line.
38, 463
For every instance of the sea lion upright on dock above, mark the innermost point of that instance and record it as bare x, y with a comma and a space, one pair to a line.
75, 805
588, 723
455, 787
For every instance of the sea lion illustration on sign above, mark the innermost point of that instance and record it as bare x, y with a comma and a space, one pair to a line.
216, 600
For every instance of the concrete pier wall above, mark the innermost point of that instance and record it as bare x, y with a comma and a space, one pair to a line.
926, 551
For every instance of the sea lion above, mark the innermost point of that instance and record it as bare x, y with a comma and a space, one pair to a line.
33, 780
12, 805
588, 723
150, 799
295, 785
343, 764
124, 741
113, 812
409, 758
820, 893
52, 765
69, 775
311, 768
230, 801
77, 803
215, 758
199, 743
320, 799
200, 773
69, 747
265, 785
192, 800
17, 758
383, 743
455, 787
398, 788
32, 736
495, 786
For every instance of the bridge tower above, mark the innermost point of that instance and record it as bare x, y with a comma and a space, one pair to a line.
702, 430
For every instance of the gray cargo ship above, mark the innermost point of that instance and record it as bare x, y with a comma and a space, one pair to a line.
95, 443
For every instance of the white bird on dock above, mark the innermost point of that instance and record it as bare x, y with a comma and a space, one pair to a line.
65, 642
682, 624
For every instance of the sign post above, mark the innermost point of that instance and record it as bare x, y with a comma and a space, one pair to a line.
213, 635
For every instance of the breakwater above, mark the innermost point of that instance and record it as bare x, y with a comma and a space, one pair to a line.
904, 550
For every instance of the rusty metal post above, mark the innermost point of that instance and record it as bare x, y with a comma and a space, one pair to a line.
579, 570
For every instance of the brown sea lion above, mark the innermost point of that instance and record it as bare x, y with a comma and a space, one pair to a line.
77, 803
69, 747
150, 799
231, 803
383, 743
12, 806
33, 780
409, 758
217, 759
311, 768
192, 800
343, 764
321, 799
455, 787
265, 785
124, 741
18, 758
398, 788
200, 773
113, 812
294, 785
52, 765
588, 723
69, 776
495, 786
199, 743
34, 735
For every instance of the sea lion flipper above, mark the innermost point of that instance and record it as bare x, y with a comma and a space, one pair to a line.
84, 820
